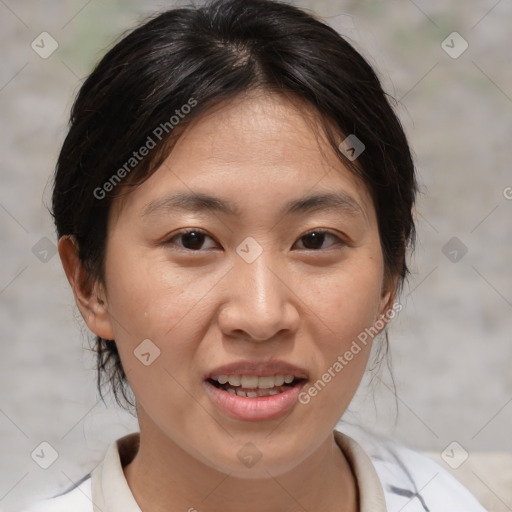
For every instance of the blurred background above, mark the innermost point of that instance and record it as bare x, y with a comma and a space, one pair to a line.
448, 64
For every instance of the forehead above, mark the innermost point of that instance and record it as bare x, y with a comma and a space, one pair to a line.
260, 127
259, 149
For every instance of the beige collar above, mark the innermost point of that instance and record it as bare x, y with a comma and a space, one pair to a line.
111, 493
371, 494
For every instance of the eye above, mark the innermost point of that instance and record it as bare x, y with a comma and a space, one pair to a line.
192, 239
315, 239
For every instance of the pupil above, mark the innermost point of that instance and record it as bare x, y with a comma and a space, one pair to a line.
193, 240
314, 238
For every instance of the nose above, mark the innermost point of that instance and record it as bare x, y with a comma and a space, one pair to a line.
260, 303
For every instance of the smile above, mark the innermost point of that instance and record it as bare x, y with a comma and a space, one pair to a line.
252, 386
255, 392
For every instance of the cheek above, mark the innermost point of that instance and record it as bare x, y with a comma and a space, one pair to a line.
348, 310
348, 301
149, 301
146, 298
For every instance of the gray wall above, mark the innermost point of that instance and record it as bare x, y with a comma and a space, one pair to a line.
451, 345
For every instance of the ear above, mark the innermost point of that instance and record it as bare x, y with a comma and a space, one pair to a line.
89, 295
387, 308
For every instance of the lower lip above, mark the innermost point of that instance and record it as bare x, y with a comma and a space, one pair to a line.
254, 409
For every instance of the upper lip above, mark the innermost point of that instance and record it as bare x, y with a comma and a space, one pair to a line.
260, 369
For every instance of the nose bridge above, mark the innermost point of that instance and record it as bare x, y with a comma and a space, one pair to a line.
259, 303
260, 286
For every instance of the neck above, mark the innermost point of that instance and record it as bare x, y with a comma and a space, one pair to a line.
164, 477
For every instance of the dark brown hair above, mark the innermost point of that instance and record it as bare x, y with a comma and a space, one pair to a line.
210, 54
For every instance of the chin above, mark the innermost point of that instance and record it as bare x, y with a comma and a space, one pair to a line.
255, 460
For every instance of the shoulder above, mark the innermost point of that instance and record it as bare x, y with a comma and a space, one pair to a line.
72, 499
412, 479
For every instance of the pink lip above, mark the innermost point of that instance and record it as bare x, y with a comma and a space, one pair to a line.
254, 409
260, 369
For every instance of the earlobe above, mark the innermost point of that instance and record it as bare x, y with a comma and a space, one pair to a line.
385, 302
387, 299
89, 294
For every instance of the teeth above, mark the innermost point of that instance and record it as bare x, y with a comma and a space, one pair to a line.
278, 380
255, 382
255, 393
249, 381
266, 382
234, 380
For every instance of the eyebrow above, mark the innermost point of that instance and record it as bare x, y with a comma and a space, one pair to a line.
197, 201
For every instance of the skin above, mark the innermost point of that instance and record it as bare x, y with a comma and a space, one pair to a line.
207, 307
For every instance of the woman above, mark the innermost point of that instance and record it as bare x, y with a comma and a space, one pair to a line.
234, 205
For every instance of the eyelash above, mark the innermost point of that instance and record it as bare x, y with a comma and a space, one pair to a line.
170, 241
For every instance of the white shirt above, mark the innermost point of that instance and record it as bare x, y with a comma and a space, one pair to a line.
390, 478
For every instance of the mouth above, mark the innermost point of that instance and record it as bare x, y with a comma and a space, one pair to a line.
252, 386
255, 392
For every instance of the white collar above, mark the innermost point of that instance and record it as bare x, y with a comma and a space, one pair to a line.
111, 493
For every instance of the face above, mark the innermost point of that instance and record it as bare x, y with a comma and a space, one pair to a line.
240, 282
